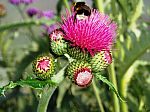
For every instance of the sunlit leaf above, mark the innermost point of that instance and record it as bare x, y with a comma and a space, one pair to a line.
33, 83
111, 86
138, 47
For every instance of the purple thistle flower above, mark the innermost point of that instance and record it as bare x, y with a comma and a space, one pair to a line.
47, 14
49, 29
95, 33
27, 2
32, 11
15, 2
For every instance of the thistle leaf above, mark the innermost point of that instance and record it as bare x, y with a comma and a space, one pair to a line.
138, 47
33, 83
111, 86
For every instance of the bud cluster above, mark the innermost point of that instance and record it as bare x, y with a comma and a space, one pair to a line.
88, 41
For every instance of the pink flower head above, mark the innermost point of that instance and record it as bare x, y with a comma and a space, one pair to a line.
94, 34
43, 64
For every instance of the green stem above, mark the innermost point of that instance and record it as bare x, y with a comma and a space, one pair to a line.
99, 5
21, 13
67, 5
124, 84
43, 103
23, 24
96, 91
48, 91
123, 90
112, 78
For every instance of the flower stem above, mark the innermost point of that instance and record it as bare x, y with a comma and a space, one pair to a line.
125, 81
99, 4
112, 78
67, 5
123, 90
43, 103
48, 91
96, 91
21, 13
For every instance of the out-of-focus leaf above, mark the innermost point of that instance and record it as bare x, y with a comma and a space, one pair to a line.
2, 64
111, 86
5, 44
138, 47
60, 75
59, 7
136, 13
62, 90
25, 23
124, 5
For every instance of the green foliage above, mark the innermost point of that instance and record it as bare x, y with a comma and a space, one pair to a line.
111, 86
22, 41
33, 83
132, 53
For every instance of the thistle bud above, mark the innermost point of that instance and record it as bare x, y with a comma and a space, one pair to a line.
44, 66
58, 45
80, 73
101, 60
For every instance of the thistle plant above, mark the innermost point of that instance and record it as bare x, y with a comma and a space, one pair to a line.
69, 60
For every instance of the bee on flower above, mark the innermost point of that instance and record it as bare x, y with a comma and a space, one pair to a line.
87, 36
94, 34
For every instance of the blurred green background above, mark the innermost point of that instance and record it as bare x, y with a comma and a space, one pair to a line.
129, 72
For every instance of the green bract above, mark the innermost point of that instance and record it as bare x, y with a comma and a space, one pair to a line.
59, 47
101, 60
78, 54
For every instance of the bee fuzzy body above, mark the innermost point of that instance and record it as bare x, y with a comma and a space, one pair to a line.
82, 11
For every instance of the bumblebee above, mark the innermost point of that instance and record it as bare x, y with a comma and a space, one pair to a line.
82, 11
